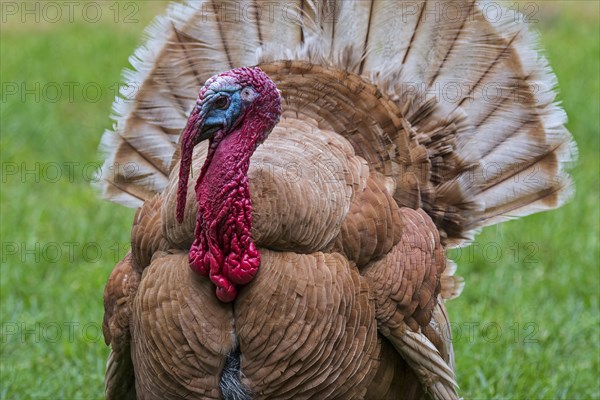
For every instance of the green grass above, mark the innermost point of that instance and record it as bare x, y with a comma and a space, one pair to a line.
526, 325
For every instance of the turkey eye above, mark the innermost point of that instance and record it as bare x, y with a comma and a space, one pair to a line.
222, 102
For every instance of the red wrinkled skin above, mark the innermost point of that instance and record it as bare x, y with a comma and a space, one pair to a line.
223, 249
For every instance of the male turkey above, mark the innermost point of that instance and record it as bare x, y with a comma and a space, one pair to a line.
313, 265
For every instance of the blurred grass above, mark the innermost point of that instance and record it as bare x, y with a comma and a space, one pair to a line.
526, 325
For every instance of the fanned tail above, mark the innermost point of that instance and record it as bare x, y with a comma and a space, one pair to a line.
485, 137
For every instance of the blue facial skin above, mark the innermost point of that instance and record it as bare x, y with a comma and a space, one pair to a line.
226, 118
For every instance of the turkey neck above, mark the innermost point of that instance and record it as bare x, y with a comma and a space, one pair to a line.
223, 248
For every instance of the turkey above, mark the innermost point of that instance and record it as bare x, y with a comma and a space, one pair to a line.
299, 170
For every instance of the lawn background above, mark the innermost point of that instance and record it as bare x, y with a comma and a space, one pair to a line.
526, 325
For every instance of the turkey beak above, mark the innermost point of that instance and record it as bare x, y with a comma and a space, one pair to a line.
206, 130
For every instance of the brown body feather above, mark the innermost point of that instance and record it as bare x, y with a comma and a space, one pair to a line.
390, 148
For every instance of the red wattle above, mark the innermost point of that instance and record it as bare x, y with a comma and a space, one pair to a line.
223, 248
238, 267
